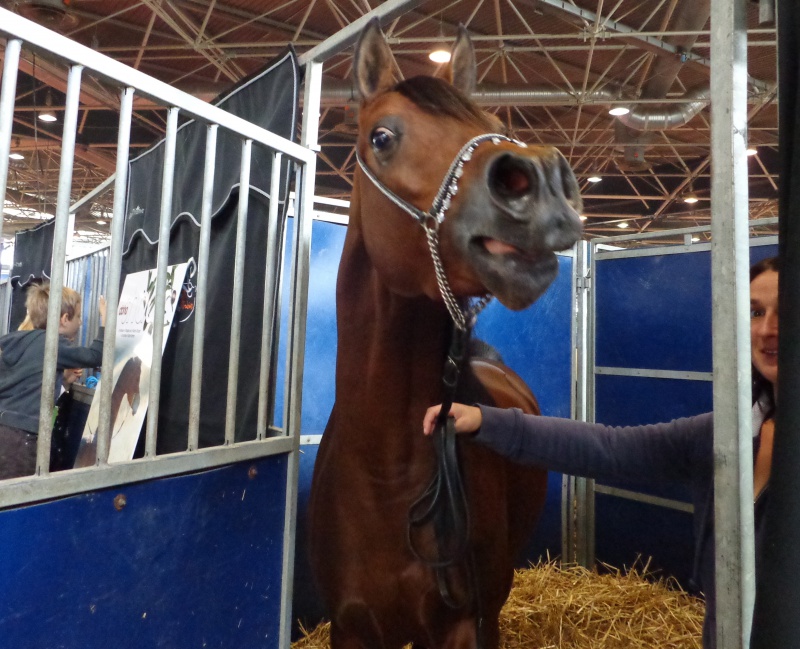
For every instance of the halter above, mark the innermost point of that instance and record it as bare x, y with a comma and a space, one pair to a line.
433, 218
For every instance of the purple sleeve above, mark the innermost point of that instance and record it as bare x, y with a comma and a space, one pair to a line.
666, 452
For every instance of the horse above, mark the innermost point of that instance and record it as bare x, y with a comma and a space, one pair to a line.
498, 212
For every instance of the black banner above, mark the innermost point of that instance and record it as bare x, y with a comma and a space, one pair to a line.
270, 100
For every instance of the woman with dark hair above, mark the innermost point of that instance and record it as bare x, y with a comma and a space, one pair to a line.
681, 451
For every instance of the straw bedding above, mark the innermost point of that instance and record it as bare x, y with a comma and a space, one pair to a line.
569, 607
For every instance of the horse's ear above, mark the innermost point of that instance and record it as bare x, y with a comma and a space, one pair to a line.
372, 62
462, 70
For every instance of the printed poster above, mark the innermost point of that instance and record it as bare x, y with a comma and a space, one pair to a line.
132, 362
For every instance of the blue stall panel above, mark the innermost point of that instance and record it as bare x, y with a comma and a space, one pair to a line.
537, 342
652, 313
189, 561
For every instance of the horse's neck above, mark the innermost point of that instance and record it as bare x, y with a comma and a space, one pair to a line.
391, 348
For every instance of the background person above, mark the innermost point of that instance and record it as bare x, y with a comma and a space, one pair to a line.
21, 366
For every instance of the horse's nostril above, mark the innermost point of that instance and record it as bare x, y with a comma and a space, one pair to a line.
511, 177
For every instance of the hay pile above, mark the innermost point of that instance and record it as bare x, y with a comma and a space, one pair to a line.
554, 607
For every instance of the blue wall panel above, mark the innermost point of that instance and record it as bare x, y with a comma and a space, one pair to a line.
653, 313
190, 561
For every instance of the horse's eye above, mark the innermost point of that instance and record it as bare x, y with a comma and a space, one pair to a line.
382, 138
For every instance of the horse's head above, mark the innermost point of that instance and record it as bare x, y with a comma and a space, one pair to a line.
512, 207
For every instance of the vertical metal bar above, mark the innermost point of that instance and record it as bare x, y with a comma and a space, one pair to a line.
201, 298
8, 93
114, 272
297, 335
167, 184
57, 270
270, 301
733, 475
577, 522
238, 293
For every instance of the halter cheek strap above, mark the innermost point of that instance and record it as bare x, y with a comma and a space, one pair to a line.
433, 218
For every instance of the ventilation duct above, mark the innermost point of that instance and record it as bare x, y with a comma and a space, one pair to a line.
643, 118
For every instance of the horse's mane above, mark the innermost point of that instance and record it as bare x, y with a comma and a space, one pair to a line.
437, 97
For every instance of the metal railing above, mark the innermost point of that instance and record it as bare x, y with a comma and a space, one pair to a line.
22, 35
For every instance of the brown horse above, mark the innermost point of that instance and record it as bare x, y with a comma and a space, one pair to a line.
497, 218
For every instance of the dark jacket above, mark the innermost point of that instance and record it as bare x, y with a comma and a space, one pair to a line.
21, 365
680, 451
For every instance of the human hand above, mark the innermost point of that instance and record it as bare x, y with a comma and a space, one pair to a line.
468, 419
70, 376
101, 307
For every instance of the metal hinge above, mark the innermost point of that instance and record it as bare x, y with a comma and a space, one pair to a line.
583, 283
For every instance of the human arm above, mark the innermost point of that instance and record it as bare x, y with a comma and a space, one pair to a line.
101, 308
651, 453
73, 356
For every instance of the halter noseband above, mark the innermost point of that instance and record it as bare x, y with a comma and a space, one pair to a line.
433, 218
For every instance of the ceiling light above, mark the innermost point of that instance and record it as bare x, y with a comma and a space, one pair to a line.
47, 114
439, 55
16, 156
619, 110
690, 198
100, 222
594, 179
695, 239
623, 224
582, 217
751, 150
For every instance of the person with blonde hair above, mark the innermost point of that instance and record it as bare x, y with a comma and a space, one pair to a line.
21, 367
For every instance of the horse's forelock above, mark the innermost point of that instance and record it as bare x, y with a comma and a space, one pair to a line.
438, 97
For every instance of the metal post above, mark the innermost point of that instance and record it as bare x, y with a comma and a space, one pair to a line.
270, 299
167, 184
7, 95
577, 506
238, 293
733, 462
203, 255
114, 273
297, 335
57, 270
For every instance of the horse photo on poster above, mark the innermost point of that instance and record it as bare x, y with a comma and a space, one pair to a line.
136, 320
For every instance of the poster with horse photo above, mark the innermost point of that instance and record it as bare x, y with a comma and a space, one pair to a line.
132, 362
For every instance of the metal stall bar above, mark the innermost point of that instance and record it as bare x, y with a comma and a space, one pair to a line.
270, 302
57, 270
167, 184
238, 293
577, 494
31, 489
298, 311
733, 474
203, 255
114, 273
7, 95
